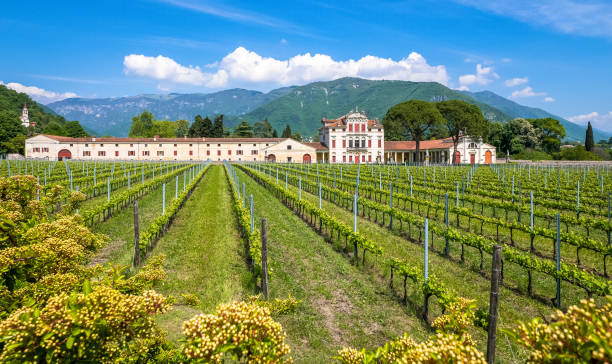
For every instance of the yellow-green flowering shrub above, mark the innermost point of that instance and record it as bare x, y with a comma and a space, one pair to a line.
451, 344
277, 306
99, 325
581, 335
241, 331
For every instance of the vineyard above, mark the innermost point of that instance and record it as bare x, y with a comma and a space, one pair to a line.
171, 262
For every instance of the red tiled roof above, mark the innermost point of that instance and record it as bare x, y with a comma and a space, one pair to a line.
411, 144
317, 146
161, 140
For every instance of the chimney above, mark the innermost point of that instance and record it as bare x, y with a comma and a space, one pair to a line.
155, 138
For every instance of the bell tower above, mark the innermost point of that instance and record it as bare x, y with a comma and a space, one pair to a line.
25, 118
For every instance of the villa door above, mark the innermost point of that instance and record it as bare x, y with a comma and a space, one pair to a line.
488, 157
472, 158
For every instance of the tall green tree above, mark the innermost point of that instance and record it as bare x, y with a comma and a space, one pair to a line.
496, 135
74, 129
141, 125
551, 133
286, 132
208, 127
520, 134
181, 128
147, 119
217, 131
163, 128
243, 130
262, 129
412, 119
589, 142
197, 128
462, 119
274, 134
54, 128
10, 127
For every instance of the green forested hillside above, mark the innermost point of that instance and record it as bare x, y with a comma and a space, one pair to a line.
574, 132
304, 106
12, 134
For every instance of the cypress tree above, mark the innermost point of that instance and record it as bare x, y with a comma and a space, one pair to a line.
287, 132
218, 127
589, 142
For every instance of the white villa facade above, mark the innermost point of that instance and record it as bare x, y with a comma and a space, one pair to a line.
352, 138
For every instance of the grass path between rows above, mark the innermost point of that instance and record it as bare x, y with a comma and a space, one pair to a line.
120, 227
203, 253
342, 305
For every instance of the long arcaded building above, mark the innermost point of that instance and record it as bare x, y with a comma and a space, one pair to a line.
352, 138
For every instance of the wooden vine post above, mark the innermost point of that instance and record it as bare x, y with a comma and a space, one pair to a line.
355, 252
493, 301
558, 256
391, 205
264, 257
447, 247
252, 226
426, 271
136, 260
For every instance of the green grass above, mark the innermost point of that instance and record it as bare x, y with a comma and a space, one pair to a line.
343, 305
203, 253
120, 227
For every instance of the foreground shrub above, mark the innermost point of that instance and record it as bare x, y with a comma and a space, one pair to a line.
452, 343
583, 334
240, 331
99, 325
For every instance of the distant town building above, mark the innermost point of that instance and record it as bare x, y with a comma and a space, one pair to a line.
25, 117
351, 138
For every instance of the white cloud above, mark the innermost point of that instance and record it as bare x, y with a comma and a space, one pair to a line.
483, 76
162, 69
584, 17
38, 94
549, 99
599, 121
244, 67
526, 92
516, 81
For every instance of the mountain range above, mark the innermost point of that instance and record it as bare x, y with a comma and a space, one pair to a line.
301, 107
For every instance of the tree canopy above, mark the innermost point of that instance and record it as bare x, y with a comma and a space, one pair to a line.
413, 119
243, 130
263, 129
462, 119
286, 132
551, 132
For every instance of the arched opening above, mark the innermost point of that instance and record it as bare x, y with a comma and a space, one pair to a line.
457, 157
271, 158
306, 158
488, 155
64, 154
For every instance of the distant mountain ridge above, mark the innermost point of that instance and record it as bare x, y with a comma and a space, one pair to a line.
575, 132
113, 115
302, 107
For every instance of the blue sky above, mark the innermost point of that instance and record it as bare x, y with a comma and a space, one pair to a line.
553, 54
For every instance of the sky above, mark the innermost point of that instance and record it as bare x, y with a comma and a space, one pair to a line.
552, 54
